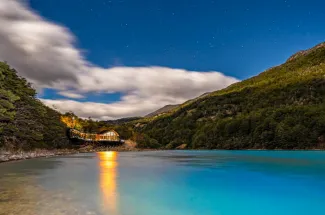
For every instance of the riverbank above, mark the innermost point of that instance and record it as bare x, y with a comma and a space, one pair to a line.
6, 155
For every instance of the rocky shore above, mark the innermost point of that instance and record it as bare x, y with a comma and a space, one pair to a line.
23, 155
6, 155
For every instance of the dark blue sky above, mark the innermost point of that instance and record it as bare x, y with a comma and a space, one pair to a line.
236, 37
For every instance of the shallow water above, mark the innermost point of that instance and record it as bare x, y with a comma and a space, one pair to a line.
167, 182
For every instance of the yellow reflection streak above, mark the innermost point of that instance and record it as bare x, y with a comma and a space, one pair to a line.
108, 174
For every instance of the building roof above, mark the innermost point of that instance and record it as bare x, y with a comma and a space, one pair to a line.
107, 131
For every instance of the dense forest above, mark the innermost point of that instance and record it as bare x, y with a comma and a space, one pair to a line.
25, 123
281, 108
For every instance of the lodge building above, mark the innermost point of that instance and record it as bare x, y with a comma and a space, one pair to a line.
105, 136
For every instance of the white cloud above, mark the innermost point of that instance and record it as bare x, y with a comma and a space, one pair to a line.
105, 111
46, 55
71, 95
40, 50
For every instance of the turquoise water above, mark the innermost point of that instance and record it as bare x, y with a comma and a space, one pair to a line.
173, 182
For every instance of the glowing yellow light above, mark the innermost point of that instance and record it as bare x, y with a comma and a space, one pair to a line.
107, 155
108, 176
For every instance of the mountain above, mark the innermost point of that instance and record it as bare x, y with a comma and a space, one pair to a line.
281, 108
25, 122
306, 52
162, 110
170, 108
122, 120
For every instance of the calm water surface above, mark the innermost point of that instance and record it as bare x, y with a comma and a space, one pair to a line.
170, 182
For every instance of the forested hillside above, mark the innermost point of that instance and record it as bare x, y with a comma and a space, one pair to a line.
25, 123
162, 110
282, 108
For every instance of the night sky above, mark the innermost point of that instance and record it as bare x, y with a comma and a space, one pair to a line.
239, 38
119, 58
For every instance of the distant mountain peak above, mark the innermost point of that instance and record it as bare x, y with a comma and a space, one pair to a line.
306, 52
162, 110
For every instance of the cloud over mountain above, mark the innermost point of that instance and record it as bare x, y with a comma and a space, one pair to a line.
45, 53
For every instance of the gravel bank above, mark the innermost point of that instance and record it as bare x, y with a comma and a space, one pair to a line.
22, 155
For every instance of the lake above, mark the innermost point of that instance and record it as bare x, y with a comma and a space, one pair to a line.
166, 182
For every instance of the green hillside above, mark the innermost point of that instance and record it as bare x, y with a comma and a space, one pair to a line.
25, 123
163, 110
281, 108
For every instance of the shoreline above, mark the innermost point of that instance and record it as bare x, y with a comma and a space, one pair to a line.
7, 156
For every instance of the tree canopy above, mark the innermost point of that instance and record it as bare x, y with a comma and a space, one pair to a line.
25, 122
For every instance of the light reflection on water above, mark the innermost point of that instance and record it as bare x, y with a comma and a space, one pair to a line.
166, 182
107, 181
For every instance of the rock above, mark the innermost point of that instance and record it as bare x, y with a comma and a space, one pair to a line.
183, 146
321, 142
139, 125
20, 155
321, 139
305, 52
130, 144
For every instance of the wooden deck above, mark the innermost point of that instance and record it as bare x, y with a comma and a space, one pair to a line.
109, 136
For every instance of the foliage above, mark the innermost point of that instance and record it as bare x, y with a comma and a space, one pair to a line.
144, 141
72, 121
283, 107
25, 123
7, 99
